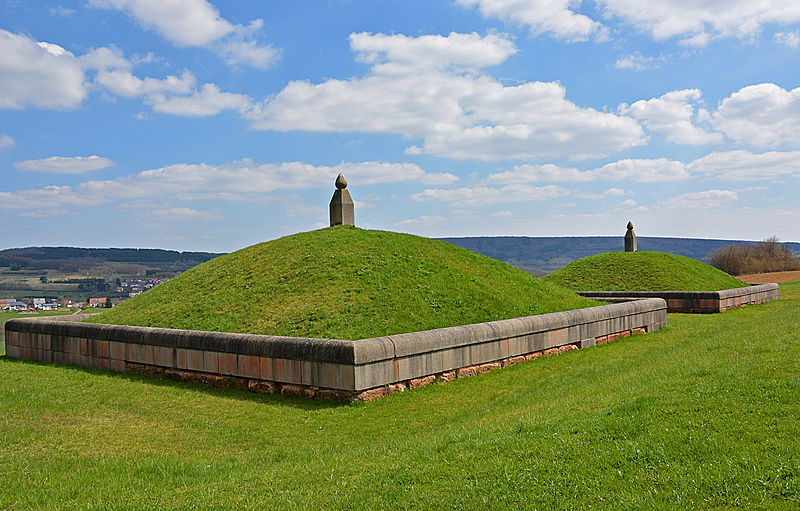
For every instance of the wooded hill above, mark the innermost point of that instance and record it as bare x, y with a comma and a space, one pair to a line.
546, 254
73, 258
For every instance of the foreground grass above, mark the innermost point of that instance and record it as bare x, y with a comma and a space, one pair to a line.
343, 283
641, 271
703, 414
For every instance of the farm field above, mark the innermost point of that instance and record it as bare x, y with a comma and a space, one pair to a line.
778, 277
702, 414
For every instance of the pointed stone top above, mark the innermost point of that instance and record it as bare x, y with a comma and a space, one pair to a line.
341, 182
630, 224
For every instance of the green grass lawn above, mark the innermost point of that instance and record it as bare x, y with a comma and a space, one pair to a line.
641, 271
343, 283
703, 414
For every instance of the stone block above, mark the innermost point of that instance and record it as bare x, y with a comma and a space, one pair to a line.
468, 371
421, 382
534, 356
334, 395
300, 391
249, 366
512, 361
552, 351
211, 362
116, 350
262, 386
193, 360
447, 376
396, 387
265, 368
491, 366
163, 356
370, 395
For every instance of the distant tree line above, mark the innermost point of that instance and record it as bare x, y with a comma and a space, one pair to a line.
763, 257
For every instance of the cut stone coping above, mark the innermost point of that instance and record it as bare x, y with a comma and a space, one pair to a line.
695, 301
328, 368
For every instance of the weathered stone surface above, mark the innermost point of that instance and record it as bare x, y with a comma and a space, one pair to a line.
342, 210
371, 394
491, 366
262, 386
551, 351
533, 356
421, 382
630, 239
297, 391
397, 387
512, 361
468, 371
335, 395
447, 376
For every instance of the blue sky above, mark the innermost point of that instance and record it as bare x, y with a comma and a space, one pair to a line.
213, 125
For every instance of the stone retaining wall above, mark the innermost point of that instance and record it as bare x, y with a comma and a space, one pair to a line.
326, 368
696, 301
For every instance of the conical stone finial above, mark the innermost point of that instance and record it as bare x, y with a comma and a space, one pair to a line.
341, 207
630, 239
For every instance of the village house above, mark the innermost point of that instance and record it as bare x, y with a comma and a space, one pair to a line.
97, 302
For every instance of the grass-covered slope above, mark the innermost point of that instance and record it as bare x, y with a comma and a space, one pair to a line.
343, 283
641, 271
700, 415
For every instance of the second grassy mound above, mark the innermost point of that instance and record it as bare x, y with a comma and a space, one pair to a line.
642, 271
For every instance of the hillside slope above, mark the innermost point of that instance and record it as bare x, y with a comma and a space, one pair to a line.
343, 282
641, 271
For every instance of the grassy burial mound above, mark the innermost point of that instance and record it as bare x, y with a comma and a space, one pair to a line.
641, 271
345, 283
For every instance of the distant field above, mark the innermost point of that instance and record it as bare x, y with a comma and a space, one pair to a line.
701, 415
778, 277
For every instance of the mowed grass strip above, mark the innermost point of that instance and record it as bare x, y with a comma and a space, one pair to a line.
641, 271
702, 414
343, 283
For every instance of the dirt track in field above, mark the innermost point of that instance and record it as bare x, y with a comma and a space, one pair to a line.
778, 277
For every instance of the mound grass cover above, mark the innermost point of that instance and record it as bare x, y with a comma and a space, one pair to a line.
642, 271
344, 283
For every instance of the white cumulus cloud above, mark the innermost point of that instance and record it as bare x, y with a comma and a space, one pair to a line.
746, 166
198, 23
65, 164
38, 74
636, 170
553, 17
673, 115
428, 87
234, 181
694, 23
209, 100
763, 115
698, 22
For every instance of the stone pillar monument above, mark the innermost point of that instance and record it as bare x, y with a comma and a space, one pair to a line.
630, 239
342, 209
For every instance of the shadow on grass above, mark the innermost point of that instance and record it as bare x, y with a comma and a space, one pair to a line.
228, 393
